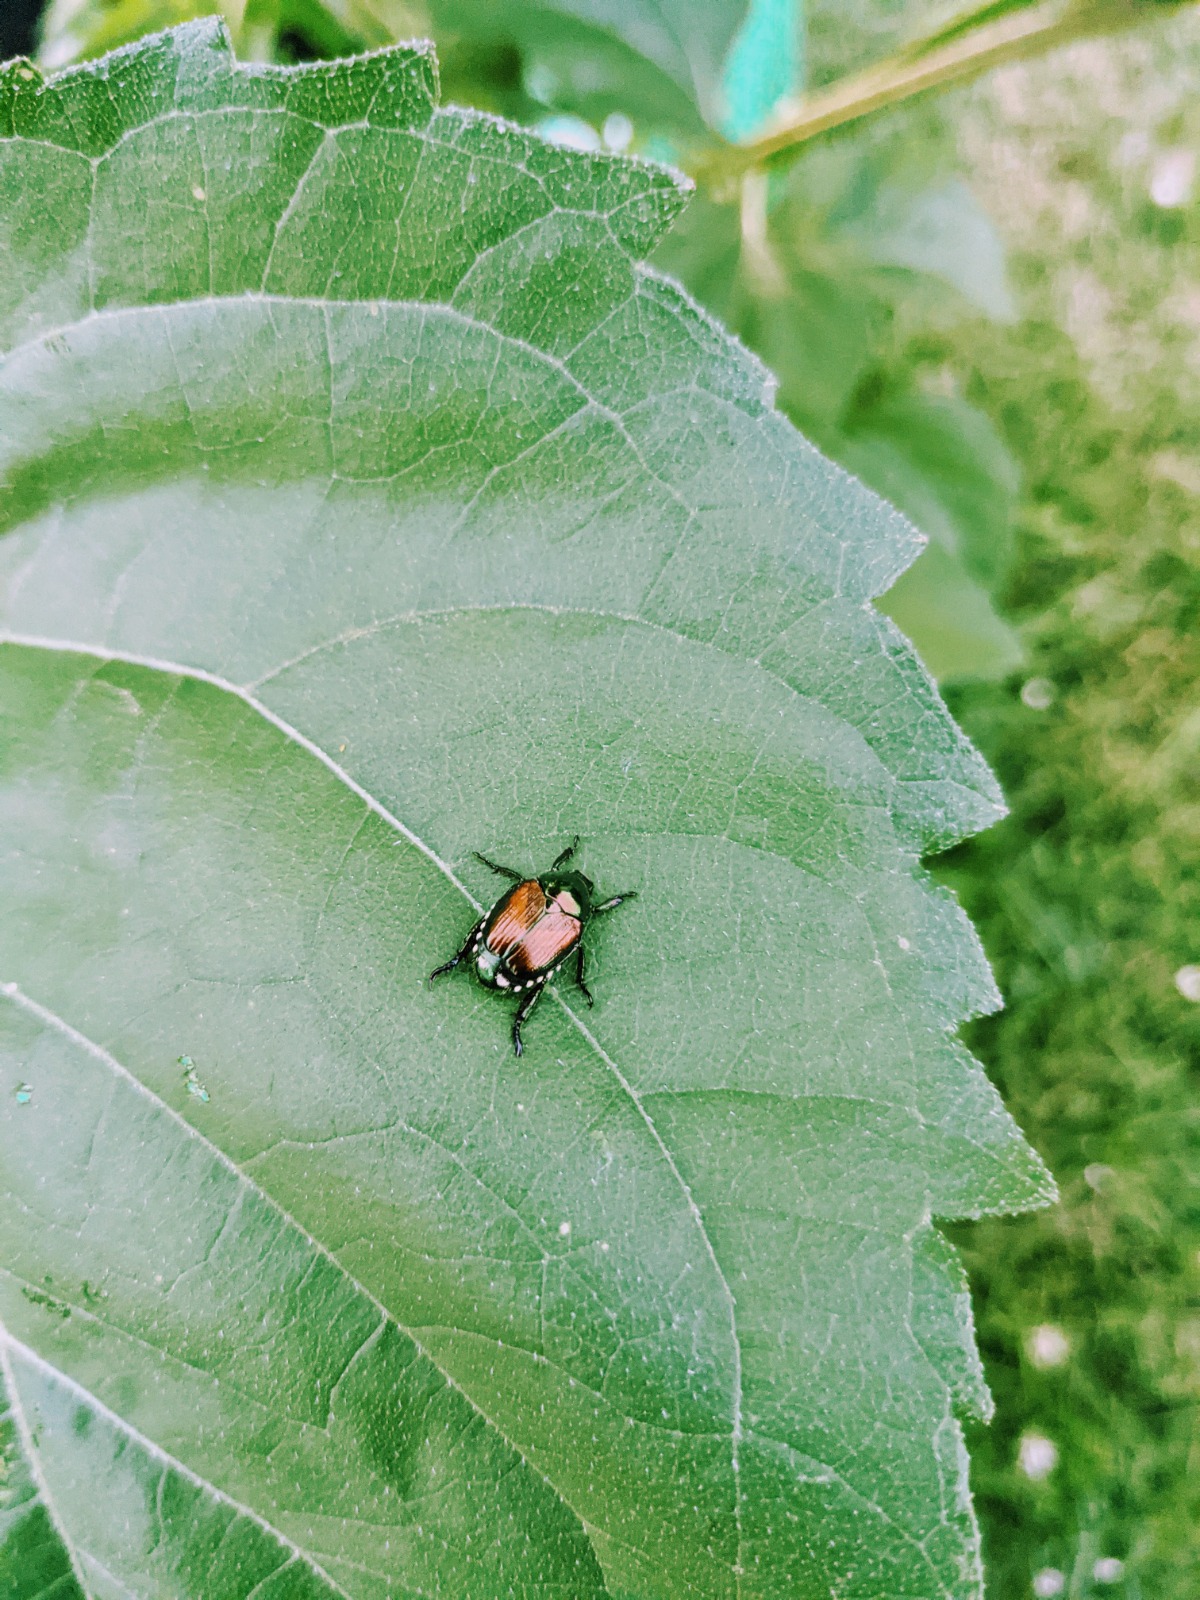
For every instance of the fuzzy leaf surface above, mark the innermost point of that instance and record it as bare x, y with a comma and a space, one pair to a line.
367, 501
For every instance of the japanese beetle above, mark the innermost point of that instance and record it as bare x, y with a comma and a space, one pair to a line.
530, 931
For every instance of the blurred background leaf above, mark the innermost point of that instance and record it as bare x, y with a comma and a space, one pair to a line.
763, 65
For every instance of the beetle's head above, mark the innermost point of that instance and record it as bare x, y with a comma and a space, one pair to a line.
577, 884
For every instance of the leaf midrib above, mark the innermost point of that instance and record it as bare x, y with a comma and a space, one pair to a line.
245, 694
51, 1019
25, 1435
304, 742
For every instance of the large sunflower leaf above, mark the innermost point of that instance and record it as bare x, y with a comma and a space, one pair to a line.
366, 501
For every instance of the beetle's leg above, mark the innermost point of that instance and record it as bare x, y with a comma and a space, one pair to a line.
462, 955
565, 856
587, 993
502, 872
527, 1004
617, 900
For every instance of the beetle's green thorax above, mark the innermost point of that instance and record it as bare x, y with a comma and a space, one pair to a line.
575, 884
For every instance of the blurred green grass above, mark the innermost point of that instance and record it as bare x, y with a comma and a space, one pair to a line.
1088, 896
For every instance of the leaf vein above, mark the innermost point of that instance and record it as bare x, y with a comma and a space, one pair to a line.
25, 1434
52, 1020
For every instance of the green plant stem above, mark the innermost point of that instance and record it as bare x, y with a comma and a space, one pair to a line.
951, 56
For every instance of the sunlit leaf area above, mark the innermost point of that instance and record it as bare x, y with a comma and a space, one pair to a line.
734, 462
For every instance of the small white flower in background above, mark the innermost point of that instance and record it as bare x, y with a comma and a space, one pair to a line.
1172, 178
541, 83
1133, 147
572, 133
1048, 1582
1108, 1570
1038, 1456
1047, 1345
1187, 981
61, 52
1096, 1175
1038, 694
617, 131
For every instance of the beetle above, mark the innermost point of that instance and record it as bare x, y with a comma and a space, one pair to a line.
531, 930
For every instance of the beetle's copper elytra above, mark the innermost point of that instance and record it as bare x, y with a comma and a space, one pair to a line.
530, 931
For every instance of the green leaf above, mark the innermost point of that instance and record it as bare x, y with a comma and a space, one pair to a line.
950, 618
943, 231
33, 1558
685, 40
366, 502
817, 319
765, 65
818, 315
942, 461
523, 58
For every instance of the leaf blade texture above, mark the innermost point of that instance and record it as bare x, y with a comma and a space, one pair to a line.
367, 501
